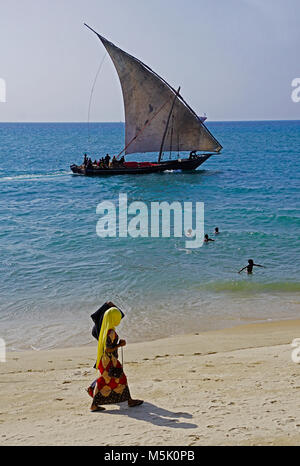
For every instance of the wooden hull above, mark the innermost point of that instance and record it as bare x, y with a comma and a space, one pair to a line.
180, 164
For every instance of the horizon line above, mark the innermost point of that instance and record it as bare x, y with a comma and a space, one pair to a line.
123, 122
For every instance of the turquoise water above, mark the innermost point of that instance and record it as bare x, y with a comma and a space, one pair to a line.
55, 271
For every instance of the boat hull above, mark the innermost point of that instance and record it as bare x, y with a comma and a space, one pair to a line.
186, 164
179, 164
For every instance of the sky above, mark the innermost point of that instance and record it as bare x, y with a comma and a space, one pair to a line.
234, 59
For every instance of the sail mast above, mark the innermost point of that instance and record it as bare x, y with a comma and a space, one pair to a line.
167, 126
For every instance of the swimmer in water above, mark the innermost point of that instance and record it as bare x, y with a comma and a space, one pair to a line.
207, 239
250, 266
217, 231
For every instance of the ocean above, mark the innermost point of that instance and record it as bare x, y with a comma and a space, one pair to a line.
55, 271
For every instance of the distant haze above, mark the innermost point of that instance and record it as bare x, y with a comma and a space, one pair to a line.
234, 59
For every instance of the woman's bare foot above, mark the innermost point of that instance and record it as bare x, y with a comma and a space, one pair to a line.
133, 403
96, 408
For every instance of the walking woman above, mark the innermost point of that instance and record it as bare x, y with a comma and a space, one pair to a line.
111, 387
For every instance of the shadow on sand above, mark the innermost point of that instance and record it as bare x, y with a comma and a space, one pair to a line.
153, 414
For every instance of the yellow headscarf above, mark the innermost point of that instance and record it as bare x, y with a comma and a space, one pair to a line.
111, 319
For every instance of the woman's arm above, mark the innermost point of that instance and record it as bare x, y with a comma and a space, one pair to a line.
121, 343
112, 344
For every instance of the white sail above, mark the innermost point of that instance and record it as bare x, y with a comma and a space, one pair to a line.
148, 100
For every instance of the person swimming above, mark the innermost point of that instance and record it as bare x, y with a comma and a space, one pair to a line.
207, 239
250, 266
217, 231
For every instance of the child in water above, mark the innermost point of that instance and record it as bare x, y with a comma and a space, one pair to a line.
250, 266
207, 239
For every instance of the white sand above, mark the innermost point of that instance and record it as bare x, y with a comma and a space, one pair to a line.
231, 387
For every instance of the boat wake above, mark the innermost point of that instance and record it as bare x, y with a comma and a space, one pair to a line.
34, 177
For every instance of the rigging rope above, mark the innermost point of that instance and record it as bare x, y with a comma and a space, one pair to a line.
92, 91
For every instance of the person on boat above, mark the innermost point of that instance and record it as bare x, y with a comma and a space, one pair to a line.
250, 266
107, 160
193, 154
114, 161
217, 231
85, 160
111, 387
89, 164
122, 160
207, 239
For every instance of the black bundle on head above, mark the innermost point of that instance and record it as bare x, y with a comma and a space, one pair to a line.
97, 318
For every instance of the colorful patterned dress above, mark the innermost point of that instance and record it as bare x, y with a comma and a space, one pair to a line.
112, 384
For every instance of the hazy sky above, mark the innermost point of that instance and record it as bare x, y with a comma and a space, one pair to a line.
234, 59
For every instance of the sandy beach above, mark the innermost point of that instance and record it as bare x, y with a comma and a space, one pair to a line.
230, 387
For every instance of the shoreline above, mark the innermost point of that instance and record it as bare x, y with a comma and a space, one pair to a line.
236, 386
93, 343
